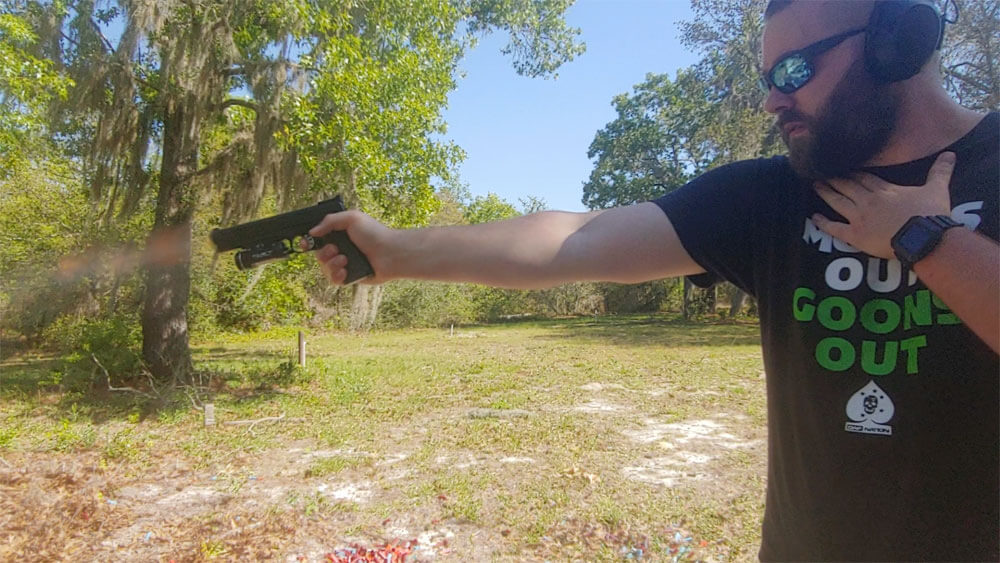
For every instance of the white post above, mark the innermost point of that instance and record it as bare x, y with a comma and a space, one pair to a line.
302, 350
209, 414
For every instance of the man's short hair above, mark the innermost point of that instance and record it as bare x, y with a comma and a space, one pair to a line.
775, 6
834, 10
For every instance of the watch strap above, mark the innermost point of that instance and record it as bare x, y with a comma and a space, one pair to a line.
944, 221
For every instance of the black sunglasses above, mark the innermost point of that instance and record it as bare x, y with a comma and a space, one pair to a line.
794, 70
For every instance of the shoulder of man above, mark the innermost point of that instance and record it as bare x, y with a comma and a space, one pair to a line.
755, 173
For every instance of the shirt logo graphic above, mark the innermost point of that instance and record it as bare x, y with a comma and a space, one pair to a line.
870, 408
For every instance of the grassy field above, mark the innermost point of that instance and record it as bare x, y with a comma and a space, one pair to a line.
606, 438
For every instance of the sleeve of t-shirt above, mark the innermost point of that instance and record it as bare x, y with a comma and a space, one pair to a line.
715, 216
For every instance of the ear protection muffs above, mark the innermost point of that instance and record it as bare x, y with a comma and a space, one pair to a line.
901, 37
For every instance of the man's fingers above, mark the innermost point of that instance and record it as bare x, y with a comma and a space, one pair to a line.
327, 252
334, 268
838, 201
848, 187
871, 182
832, 228
336, 275
940, 173
333, 222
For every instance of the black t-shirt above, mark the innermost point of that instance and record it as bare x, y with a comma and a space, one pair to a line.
883, 427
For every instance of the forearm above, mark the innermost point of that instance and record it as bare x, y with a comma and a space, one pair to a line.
524, 252
964, 271
625, 244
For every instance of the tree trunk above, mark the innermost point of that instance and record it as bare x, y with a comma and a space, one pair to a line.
736, 302
164, 314
165, 346
359, 308
364, 307
375, 300
686, 299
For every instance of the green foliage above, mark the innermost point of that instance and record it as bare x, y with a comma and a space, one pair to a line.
540, 40
335, 464
370, 119
484, 209
40, 205
123, 446
255, 299
426, 304
367, 119
580, 298
235, 102
115, 342
27, 85
493, 303
648, 297
728, 34
72, 438
656, 144
532, 204
43, 271
56, 262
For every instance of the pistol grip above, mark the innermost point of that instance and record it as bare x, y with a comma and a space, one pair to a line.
358, 266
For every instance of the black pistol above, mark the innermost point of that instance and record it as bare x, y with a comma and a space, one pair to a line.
275, 238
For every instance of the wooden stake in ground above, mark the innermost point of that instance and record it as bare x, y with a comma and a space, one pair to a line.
302, 350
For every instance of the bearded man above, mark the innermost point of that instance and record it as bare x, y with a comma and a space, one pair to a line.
872, 252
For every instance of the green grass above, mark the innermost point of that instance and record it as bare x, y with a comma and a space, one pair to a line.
385, 417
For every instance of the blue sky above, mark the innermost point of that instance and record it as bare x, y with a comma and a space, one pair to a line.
529, 136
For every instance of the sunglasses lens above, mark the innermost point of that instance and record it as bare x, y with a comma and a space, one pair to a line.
791, 74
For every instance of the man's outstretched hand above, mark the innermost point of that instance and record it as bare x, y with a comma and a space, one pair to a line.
370, 236
875, 209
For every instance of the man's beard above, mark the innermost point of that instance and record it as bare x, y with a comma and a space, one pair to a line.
853, 127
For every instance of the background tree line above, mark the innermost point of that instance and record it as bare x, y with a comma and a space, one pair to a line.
129, 129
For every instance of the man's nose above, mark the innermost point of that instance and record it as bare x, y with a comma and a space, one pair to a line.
778, 101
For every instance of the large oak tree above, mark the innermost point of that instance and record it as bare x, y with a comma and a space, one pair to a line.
177, 99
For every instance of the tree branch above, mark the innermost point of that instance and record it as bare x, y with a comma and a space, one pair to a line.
107, 378
254, 67
967, 79
107, 43
240, 140
238, 102
119, 63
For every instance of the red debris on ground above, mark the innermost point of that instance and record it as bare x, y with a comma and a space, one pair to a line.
392, 552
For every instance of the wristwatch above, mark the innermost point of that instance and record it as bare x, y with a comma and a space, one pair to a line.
919, 236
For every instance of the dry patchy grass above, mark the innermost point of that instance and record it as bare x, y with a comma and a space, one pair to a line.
579, 439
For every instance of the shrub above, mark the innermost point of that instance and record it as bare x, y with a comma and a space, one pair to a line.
115, 341
425, 304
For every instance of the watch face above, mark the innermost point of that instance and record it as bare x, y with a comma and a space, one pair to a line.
914, 238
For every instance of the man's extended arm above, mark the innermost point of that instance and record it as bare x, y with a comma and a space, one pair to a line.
625, 244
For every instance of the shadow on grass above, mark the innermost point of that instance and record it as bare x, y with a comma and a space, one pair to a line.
60, 388
57, 387
238, 354
653, 330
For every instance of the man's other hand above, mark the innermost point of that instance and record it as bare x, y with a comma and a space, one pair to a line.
875, 209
